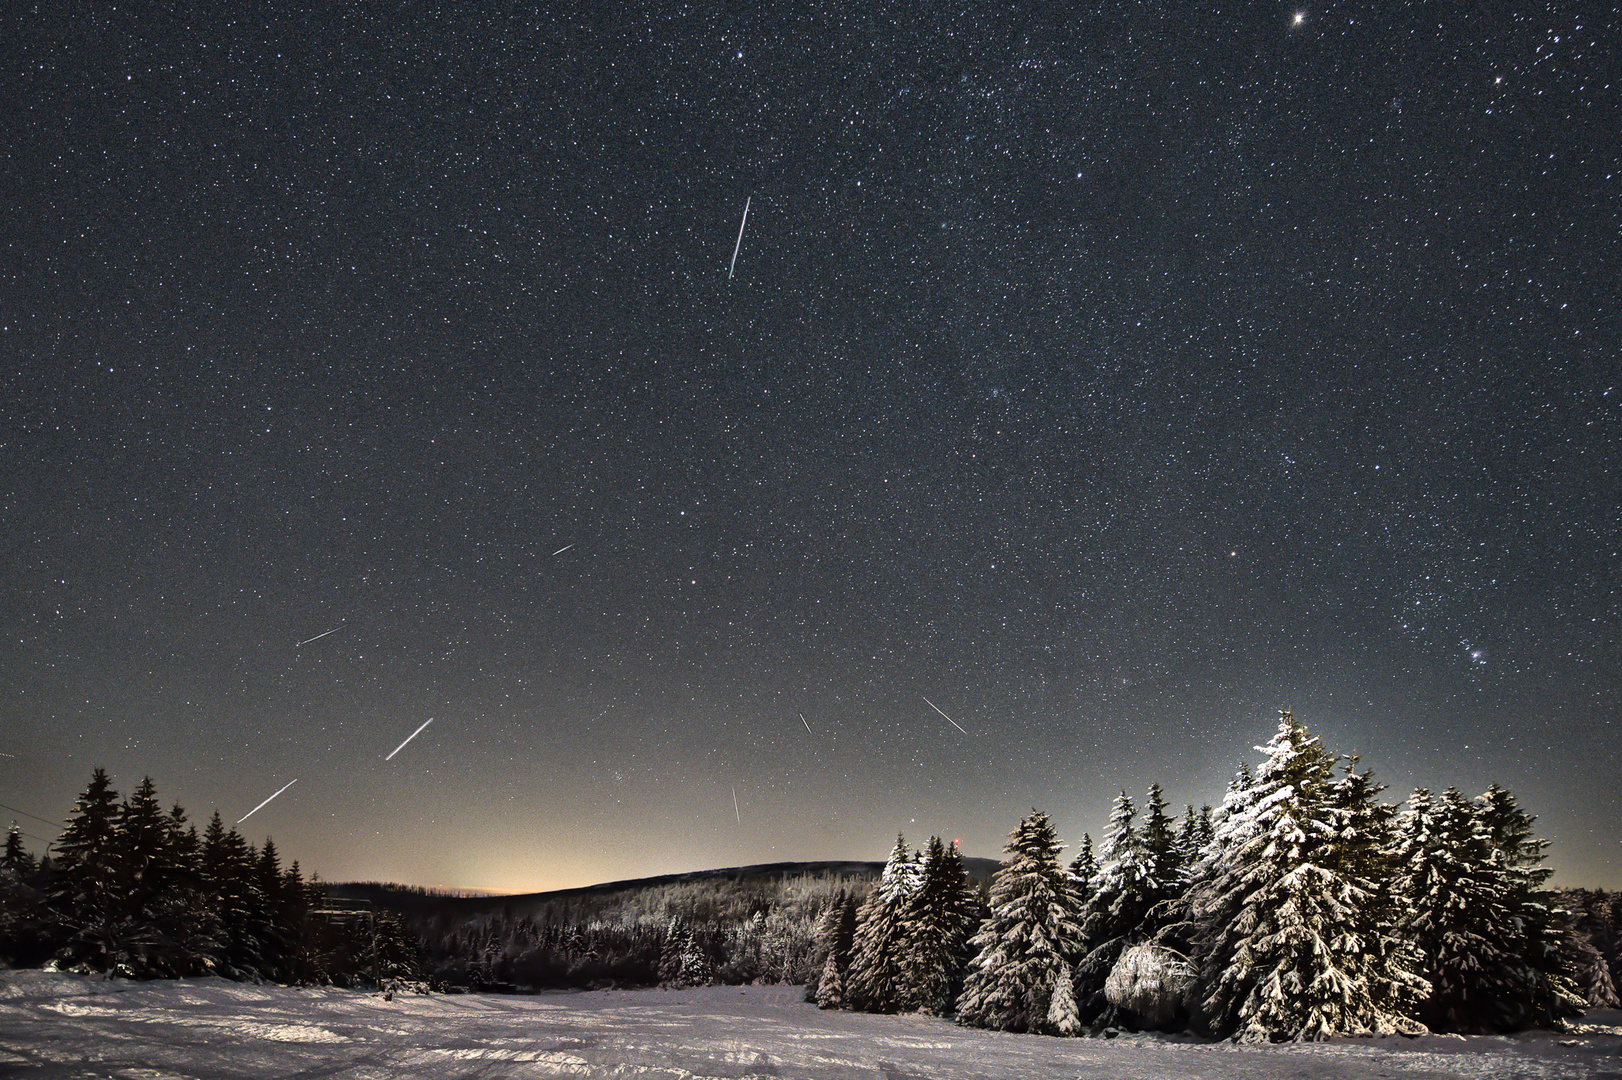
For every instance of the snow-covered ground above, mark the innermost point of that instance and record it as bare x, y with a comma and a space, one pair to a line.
54, 1025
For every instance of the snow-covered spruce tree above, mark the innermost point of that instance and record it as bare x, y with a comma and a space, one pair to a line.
1114, 917
834, 938
873, 982
1279, 923
1160, 843
1194, 833
1023, 945
1063, 1016
1452, 894
676, 941
1236, 804
1470, 886
830, 992
1589, 971
1084, 870
1590, 941
1541, 992
1211, 836
903, 872
936, 924
1363, 853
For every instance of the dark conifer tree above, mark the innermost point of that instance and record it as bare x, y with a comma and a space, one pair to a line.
185, 848
16, 859
146, 867
87, 857
25, 937
230, 875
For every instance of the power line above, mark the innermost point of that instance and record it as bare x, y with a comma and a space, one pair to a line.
26, 814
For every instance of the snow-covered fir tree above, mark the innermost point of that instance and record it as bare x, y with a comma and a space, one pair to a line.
1363, 854
937, 921
1281, 921
830, 993
1540, 991
671, 951
1124, 889
903, 872
1160, 844
1452, 892
1469, 885
1063, 1016
834, 937
873, 982
1591, 942
1084, 869
1232, 818
1194, 833
1590, 972
1023, 945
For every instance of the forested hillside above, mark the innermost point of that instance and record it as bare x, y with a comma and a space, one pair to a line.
1304, 907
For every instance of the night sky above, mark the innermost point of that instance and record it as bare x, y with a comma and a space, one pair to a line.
1109, 375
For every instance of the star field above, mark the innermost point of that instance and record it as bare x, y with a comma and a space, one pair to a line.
1110, 377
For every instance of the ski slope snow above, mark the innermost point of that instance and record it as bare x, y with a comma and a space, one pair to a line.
57, 1025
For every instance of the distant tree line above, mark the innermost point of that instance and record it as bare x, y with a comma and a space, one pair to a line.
1303, 908
673, 935
136, 891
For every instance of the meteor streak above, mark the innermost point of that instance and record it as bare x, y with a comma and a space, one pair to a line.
262, 805
414, 734
319, 636
735, 811
733, 265
808, 730
949, 720
562, 549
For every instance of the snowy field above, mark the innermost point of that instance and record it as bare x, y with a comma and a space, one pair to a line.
55, 1025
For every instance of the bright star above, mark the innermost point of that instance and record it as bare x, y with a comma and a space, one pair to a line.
1300, 17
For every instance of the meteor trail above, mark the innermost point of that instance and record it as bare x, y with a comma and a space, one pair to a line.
949, 720
319, 636
808, 730
414, 734
562, 549
731, 266
261, 806
735, 811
